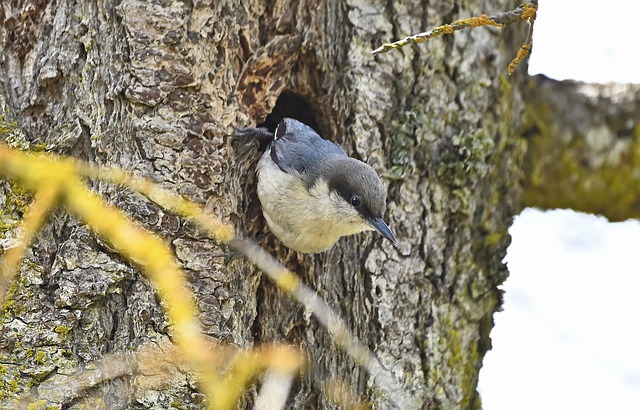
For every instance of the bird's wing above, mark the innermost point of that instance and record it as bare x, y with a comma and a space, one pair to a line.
298, 147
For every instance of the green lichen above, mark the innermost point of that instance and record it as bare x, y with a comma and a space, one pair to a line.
62, 329
14, 207
177, 405
463, 165
16, 199
403, 130
456, 361
40, 405
8, 388
40, 147
13, 384
490, 231
40, 356
463, 360
15, 202
11, 307
7, 127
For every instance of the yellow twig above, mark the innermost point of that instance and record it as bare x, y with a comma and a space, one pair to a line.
35, 171
248, 365
284, 278
472, 22
529, 13
161, 364
341, 395
165, 198
155, 258
52, 178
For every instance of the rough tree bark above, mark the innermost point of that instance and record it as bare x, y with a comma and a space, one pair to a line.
157, 88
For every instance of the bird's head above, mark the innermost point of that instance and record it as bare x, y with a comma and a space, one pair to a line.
356, 194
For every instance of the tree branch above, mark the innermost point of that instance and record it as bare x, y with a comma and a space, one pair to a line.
526, 11
584, 147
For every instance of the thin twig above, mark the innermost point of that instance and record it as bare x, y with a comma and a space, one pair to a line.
526, 47
526, 11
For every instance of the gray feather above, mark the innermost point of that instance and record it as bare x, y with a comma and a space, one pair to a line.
297, 147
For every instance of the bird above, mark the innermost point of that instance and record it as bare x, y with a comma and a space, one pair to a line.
312, 193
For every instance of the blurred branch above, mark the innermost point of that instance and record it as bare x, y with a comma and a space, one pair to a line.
159, 366
339, 393
54, 178
284, 278
583, 147
165, 198
274, 391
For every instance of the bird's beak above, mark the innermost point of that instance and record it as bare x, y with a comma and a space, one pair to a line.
379, 225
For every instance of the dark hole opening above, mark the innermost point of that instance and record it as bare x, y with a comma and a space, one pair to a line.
290, 105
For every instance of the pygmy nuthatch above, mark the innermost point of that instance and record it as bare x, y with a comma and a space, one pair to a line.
312, 193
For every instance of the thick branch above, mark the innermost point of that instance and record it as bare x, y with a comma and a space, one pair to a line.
584, 147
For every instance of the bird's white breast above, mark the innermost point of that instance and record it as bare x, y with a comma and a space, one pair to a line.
307, 220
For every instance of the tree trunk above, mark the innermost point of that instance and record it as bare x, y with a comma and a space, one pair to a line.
157, 88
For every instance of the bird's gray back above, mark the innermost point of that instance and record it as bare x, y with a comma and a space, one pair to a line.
298, 147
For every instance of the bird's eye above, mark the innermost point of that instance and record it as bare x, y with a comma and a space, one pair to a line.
355, 201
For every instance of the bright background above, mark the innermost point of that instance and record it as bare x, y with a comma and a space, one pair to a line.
569, 335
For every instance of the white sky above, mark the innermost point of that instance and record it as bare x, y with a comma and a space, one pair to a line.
587, 40
569, 336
